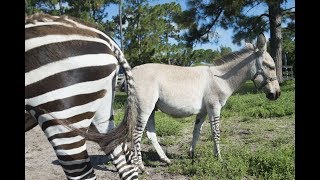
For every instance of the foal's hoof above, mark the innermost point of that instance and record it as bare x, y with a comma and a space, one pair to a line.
166, 160
191, 154
219, 158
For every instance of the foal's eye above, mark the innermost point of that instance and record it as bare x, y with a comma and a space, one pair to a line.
269, 66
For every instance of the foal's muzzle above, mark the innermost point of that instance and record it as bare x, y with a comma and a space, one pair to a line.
273, 96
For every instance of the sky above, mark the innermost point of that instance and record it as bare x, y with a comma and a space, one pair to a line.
225, 35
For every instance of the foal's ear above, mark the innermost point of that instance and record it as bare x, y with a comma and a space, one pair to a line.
262, 43
249, 45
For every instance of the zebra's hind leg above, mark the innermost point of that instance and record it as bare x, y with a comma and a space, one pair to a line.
121, 159
151, 134
29, 122
70, 148
120, 156
72, 155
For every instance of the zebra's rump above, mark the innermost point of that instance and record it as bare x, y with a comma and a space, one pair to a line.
70, 71
67, 71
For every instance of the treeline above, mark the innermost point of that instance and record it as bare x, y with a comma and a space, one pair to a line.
150, 33
164, 33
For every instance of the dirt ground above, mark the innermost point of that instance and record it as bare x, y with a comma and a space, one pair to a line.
41, 162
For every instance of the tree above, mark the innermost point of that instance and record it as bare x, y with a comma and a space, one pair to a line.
225, 50
93, 11
90, 10
148, 31
202, 18
183, 55
49, 6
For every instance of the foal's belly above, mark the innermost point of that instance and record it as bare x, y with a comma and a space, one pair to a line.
184, 108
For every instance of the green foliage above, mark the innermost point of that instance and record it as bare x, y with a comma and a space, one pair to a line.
225, 50
148, 32
88, 11
203, 16
288, 45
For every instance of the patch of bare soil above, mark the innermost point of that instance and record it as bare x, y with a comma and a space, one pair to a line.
41, 162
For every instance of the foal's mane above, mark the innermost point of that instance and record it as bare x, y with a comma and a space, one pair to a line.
232, 56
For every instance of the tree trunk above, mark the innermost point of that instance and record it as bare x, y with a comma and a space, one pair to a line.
93, 10
275, 17
120, 25
60, 8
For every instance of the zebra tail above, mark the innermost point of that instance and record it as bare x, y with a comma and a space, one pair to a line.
130, 118
124, 131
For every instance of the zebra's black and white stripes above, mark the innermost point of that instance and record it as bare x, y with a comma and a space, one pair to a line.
70, 74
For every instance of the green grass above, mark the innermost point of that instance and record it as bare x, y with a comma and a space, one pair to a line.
246, 103
120, 100
257, 138
275, 164
259, 149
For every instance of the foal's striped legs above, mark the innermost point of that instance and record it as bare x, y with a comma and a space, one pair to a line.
151, 134
196, 132
215, 123
214, 118
137, 136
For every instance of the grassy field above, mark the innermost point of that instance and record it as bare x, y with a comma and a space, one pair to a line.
257, 138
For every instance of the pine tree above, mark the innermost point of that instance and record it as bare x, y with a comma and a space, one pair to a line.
203, 17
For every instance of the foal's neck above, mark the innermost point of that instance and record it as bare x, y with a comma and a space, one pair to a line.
236, 72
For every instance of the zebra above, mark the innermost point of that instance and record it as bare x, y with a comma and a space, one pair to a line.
70, 76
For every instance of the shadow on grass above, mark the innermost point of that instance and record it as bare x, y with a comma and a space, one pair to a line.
152, 159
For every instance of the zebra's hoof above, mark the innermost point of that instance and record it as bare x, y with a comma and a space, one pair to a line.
143, 169
146, 172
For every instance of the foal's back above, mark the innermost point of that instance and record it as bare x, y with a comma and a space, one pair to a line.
175, 90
